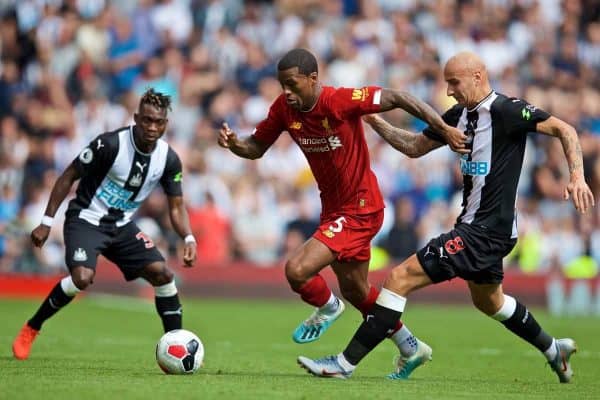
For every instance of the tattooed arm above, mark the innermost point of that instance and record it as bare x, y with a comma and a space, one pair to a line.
568, 137
391, 99
577, 188
412, 144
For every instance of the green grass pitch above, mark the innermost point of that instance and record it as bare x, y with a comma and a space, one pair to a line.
102, 347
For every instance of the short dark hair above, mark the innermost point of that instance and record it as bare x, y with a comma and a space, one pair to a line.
156, 99
301, 58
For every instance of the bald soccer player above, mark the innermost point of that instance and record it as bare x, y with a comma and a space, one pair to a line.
486, 229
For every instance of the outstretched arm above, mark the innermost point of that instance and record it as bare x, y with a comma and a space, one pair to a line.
411, 144
577, 188
391, 99
247, 148
61, 188
181, 224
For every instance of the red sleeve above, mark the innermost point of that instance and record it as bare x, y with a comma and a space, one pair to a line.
269, 129
350, 102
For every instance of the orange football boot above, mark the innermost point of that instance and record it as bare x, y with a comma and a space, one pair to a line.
22, 344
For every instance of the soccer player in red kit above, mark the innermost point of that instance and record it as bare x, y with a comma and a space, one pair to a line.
326, 123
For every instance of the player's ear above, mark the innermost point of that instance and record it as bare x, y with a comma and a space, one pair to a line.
477, 78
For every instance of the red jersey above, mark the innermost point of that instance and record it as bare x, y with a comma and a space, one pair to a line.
332, 138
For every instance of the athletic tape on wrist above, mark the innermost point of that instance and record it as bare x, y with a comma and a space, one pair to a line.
189, 239
47, 220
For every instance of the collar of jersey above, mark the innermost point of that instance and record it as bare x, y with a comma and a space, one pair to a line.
133, 143
314, 105
486, 98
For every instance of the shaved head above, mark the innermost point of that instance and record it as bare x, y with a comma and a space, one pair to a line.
467, 78
466, 62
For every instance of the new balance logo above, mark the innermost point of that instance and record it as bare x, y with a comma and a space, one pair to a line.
79, 255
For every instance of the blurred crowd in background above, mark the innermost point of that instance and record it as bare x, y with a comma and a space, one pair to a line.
72, 69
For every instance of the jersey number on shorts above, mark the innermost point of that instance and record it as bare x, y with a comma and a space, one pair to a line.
148, 243
455, 245
337, 227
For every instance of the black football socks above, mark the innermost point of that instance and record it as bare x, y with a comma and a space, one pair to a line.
169, 309
56, 300
383, 317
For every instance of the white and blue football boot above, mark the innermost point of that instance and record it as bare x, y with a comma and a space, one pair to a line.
316, 325
406, 365
561, 365
326, 367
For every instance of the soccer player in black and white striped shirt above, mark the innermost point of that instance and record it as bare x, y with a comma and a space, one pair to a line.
485, 231
116, 172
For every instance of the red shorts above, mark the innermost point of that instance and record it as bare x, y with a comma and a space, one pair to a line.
349, 235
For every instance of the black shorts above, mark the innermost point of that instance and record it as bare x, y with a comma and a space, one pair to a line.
127, 246
469, 252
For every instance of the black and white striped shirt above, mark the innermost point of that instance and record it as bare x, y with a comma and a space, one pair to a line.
116, 177
497, 129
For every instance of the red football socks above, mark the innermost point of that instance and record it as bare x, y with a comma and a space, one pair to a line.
315, 291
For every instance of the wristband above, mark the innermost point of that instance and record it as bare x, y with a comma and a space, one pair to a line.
47, 221
189, 239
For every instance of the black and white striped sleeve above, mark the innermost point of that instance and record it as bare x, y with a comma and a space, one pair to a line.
98, 155
450, 117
